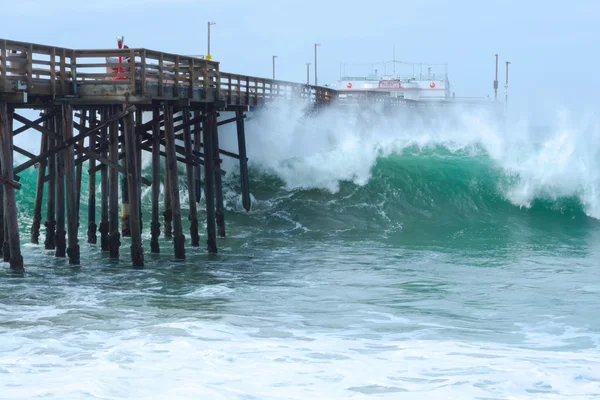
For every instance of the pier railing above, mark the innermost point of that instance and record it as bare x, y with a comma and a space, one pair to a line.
135, 76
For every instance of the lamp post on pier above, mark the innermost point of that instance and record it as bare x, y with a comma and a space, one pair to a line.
274, 57
208, 56
307, 73
496, 80
506, 89
316, 45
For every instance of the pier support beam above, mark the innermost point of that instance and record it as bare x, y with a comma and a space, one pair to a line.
220, 208
61, 234
103, 229
197, 146
244, 180
193, 216
113, 191
133, 184
178, 237
71, 186
91, 232
155, 224
39, 191
167, 213
2, 220
50, 224
209, 181
124, 192
10, 201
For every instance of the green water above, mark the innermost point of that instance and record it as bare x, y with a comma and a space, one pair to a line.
429, 280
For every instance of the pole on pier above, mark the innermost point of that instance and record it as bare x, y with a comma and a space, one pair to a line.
10, 202
133, 183
104, 211
39, 191
178, 237
155, 224
50, 224
496, 80
113, 182
71, 183
209, 180
92, 238
61, 240
193, 216
506, 89
244, 180
316, 45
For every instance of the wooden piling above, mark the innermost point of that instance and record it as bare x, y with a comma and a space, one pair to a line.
79, 168
91, 232
209, 181
113, 178
138, 146
39, 191
125, 232
61, 239
244, 179
167, 213
193, 215
10, 201
178, 237
155, 224
71, 187
133, 184
197, 146
2, 224
50, 224
220, 208
103, 229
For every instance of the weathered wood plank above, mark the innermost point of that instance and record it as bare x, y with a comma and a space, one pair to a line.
71, 190
10, 201
178, 237
39, 193
137, 253
73, 140
193, 214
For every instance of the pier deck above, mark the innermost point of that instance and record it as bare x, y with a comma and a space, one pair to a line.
106, 107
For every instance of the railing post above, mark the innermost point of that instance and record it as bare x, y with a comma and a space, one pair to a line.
160, 75
192, 68
143, 72
29, 67
63, 71
176, 86
3, 64
132, 71
53, 71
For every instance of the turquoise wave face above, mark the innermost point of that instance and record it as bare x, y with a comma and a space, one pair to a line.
421, 196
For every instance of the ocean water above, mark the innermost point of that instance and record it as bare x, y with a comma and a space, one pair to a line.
387, 255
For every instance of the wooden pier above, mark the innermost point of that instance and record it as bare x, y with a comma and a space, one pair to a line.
92, 105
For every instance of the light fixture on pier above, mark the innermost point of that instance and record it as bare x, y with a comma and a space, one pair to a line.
506, 89
316, 45
208, 56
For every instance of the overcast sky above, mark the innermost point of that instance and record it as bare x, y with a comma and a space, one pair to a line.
552, 44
